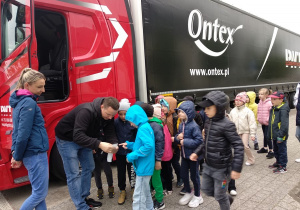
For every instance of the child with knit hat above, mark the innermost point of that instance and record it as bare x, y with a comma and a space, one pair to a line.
125, 132
245, 123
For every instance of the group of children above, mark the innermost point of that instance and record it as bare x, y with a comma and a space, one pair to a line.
150, 140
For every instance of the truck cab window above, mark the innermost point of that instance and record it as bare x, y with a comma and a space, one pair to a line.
52, 51
15, 25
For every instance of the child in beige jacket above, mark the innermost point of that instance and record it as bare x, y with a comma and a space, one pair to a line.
245, 123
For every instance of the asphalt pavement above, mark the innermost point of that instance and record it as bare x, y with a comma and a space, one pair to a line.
258, 187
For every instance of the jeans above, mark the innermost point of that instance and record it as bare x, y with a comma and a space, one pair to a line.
101, 163
298, 133
142, 199
192, 166
266, 141
38, 173
280, 153
215, 183
79, 184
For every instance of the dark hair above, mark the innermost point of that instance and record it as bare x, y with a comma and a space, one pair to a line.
111, 102
149, 110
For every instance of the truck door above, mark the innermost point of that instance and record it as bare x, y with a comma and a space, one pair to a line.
16, 42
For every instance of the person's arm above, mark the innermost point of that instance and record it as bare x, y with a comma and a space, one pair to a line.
147, 145
26, 118
196, 139
110, 132
82, 122
284, 121
252, 123
237, 145
296, 95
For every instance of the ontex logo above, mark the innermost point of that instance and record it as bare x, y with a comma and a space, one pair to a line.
292, 58
215, 31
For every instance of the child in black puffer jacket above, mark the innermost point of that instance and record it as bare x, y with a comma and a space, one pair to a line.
220, 138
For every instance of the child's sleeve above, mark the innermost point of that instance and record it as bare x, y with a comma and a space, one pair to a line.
130, 145
284, 124
147, 145
252, 123
196, 139
179, 131
237, 145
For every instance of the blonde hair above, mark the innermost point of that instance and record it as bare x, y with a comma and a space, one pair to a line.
266, 91
30, 76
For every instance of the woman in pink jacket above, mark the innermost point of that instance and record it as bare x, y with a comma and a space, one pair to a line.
263, 113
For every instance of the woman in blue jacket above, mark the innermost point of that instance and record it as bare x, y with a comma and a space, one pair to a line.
29, 137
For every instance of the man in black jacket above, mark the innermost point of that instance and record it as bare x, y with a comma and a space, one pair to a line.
77, 134
220, 138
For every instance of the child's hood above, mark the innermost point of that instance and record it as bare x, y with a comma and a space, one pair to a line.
172, 104
136, 115
189, 108
220, 100
252, 97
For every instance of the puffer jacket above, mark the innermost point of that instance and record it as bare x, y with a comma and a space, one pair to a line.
221, 137
244, 120
252, 105
192, 136
156, 125
279, 122
263, 111
29, 136
143, 149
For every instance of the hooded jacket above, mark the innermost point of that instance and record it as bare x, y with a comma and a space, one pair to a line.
263, 111
125, 132
143, 149
171, 115
221, 137
279, 122
297, 104
157, 127
29, 136
192, 136
85, 126
244, 120
252, 105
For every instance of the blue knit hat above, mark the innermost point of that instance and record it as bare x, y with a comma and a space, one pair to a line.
163, 102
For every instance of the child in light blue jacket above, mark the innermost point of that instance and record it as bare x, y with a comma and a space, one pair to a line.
142, 157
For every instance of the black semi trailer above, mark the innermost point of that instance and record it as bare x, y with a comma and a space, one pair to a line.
196, 46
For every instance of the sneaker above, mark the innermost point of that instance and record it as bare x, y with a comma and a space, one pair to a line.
186, 198
167, 193
270, 155
248, 164
92, 203
274, 165
182, 192
280, 170
196, 201
233, 192
256, 146
111, 192
159, 205
297, 160
262, 150
100, 193
180, 183
122, 197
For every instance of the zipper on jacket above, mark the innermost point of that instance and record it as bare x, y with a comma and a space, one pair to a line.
183, 125
272, 122
206, 137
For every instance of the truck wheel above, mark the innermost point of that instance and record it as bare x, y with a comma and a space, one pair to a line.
291, 100
56, 165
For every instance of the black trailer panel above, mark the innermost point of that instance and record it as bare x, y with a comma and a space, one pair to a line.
192, 47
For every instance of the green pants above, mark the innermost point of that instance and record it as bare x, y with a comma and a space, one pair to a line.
157, 185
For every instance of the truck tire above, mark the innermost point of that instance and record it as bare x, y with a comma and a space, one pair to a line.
56, 165
291, 100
